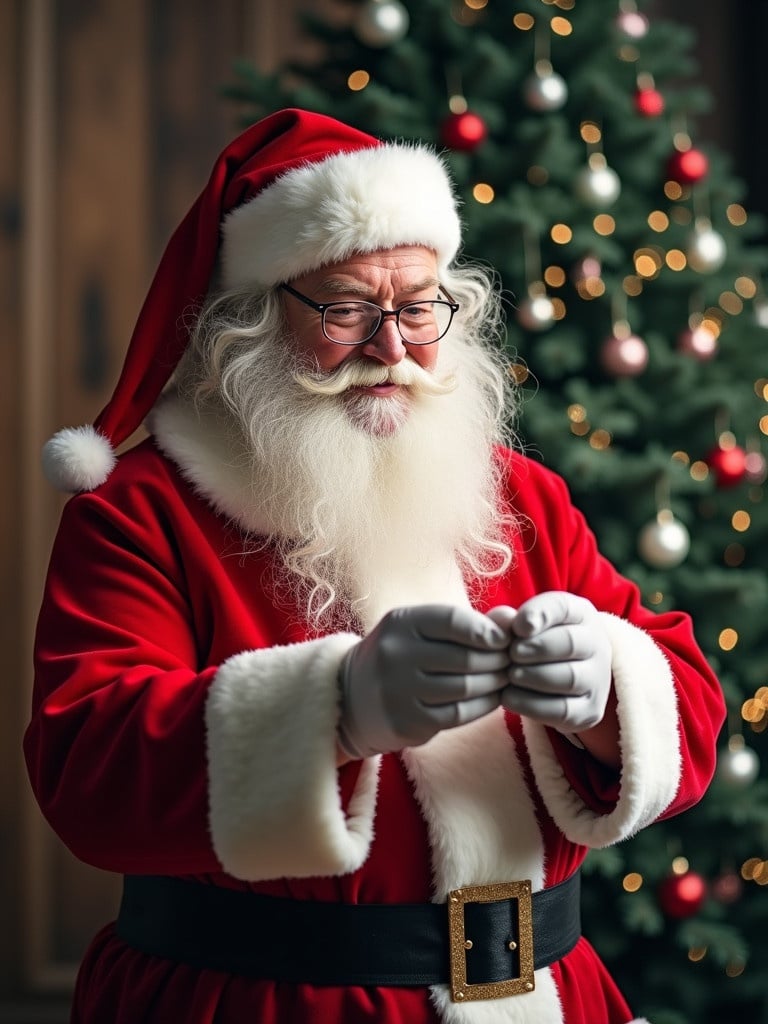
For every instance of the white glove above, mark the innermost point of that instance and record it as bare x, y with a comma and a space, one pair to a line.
561, 661
420, 670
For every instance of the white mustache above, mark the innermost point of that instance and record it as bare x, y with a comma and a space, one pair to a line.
357, 373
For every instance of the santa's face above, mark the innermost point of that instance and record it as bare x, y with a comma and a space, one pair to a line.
389, 279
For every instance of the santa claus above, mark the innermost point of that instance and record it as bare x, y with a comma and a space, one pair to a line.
330, 671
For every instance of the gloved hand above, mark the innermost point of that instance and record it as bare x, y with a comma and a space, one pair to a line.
420, 670
561, 661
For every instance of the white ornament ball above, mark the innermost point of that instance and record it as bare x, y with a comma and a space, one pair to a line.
739, 765
624, 356
598, 186
664, 543
545, 92
536, 313
381, 22
761, 312
706, 251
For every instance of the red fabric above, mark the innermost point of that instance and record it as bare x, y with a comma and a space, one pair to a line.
147, 594
253, 160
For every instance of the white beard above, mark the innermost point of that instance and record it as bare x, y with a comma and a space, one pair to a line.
374, 501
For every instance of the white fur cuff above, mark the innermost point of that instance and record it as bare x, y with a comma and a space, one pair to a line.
650, 745
271, 734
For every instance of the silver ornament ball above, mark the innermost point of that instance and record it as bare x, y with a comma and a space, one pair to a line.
545, 92
664, 543
739, 765
598, 186
536, 313
381, 22
706, 251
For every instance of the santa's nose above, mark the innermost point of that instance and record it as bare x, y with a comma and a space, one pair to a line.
386, 345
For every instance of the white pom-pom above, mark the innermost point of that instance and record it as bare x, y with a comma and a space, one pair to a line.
78, 459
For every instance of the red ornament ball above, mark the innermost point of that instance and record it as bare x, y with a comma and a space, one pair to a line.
463, 132
625, 356
682, 895
728, 464
687, 167
649, 102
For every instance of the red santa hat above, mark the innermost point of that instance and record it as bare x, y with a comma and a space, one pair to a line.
293, 193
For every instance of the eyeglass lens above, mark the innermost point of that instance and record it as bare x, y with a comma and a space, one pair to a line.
420, 323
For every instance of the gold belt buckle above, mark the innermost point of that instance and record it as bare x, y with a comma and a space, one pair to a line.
460, 942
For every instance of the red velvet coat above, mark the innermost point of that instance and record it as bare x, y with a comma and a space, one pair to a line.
184, 724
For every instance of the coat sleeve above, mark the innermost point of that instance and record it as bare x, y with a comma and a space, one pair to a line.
669, 702
147, 758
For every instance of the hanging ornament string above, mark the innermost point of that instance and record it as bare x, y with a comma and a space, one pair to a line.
664, 542
597, 184
727, 460
623, 354
462, 130
687, 165
648, 100
536, 312
706, 249
700, 339
544, 90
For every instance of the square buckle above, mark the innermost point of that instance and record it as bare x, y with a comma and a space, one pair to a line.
459, 942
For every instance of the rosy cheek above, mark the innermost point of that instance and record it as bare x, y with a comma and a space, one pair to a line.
330, 356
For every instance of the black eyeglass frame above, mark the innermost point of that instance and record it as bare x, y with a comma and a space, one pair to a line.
321, 307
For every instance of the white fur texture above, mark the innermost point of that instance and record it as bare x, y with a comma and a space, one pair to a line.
271, 738
482, 828
77, 459
650, 746
323, 212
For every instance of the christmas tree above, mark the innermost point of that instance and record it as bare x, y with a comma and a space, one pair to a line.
634, 278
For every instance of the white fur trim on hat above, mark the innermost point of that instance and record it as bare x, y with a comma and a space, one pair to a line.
321, 213
77, 459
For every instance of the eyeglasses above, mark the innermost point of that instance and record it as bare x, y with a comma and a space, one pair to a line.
353, 323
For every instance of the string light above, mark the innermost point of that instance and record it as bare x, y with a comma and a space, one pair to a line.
632, 882
745, 287
736, 214
483, 193
731, 303
604, 224
561, 26
727, 639
561, 234
358, 80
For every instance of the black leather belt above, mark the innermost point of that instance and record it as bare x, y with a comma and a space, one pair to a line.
485, 942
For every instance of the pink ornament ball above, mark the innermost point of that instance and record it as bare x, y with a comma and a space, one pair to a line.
625, 356
699, 343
